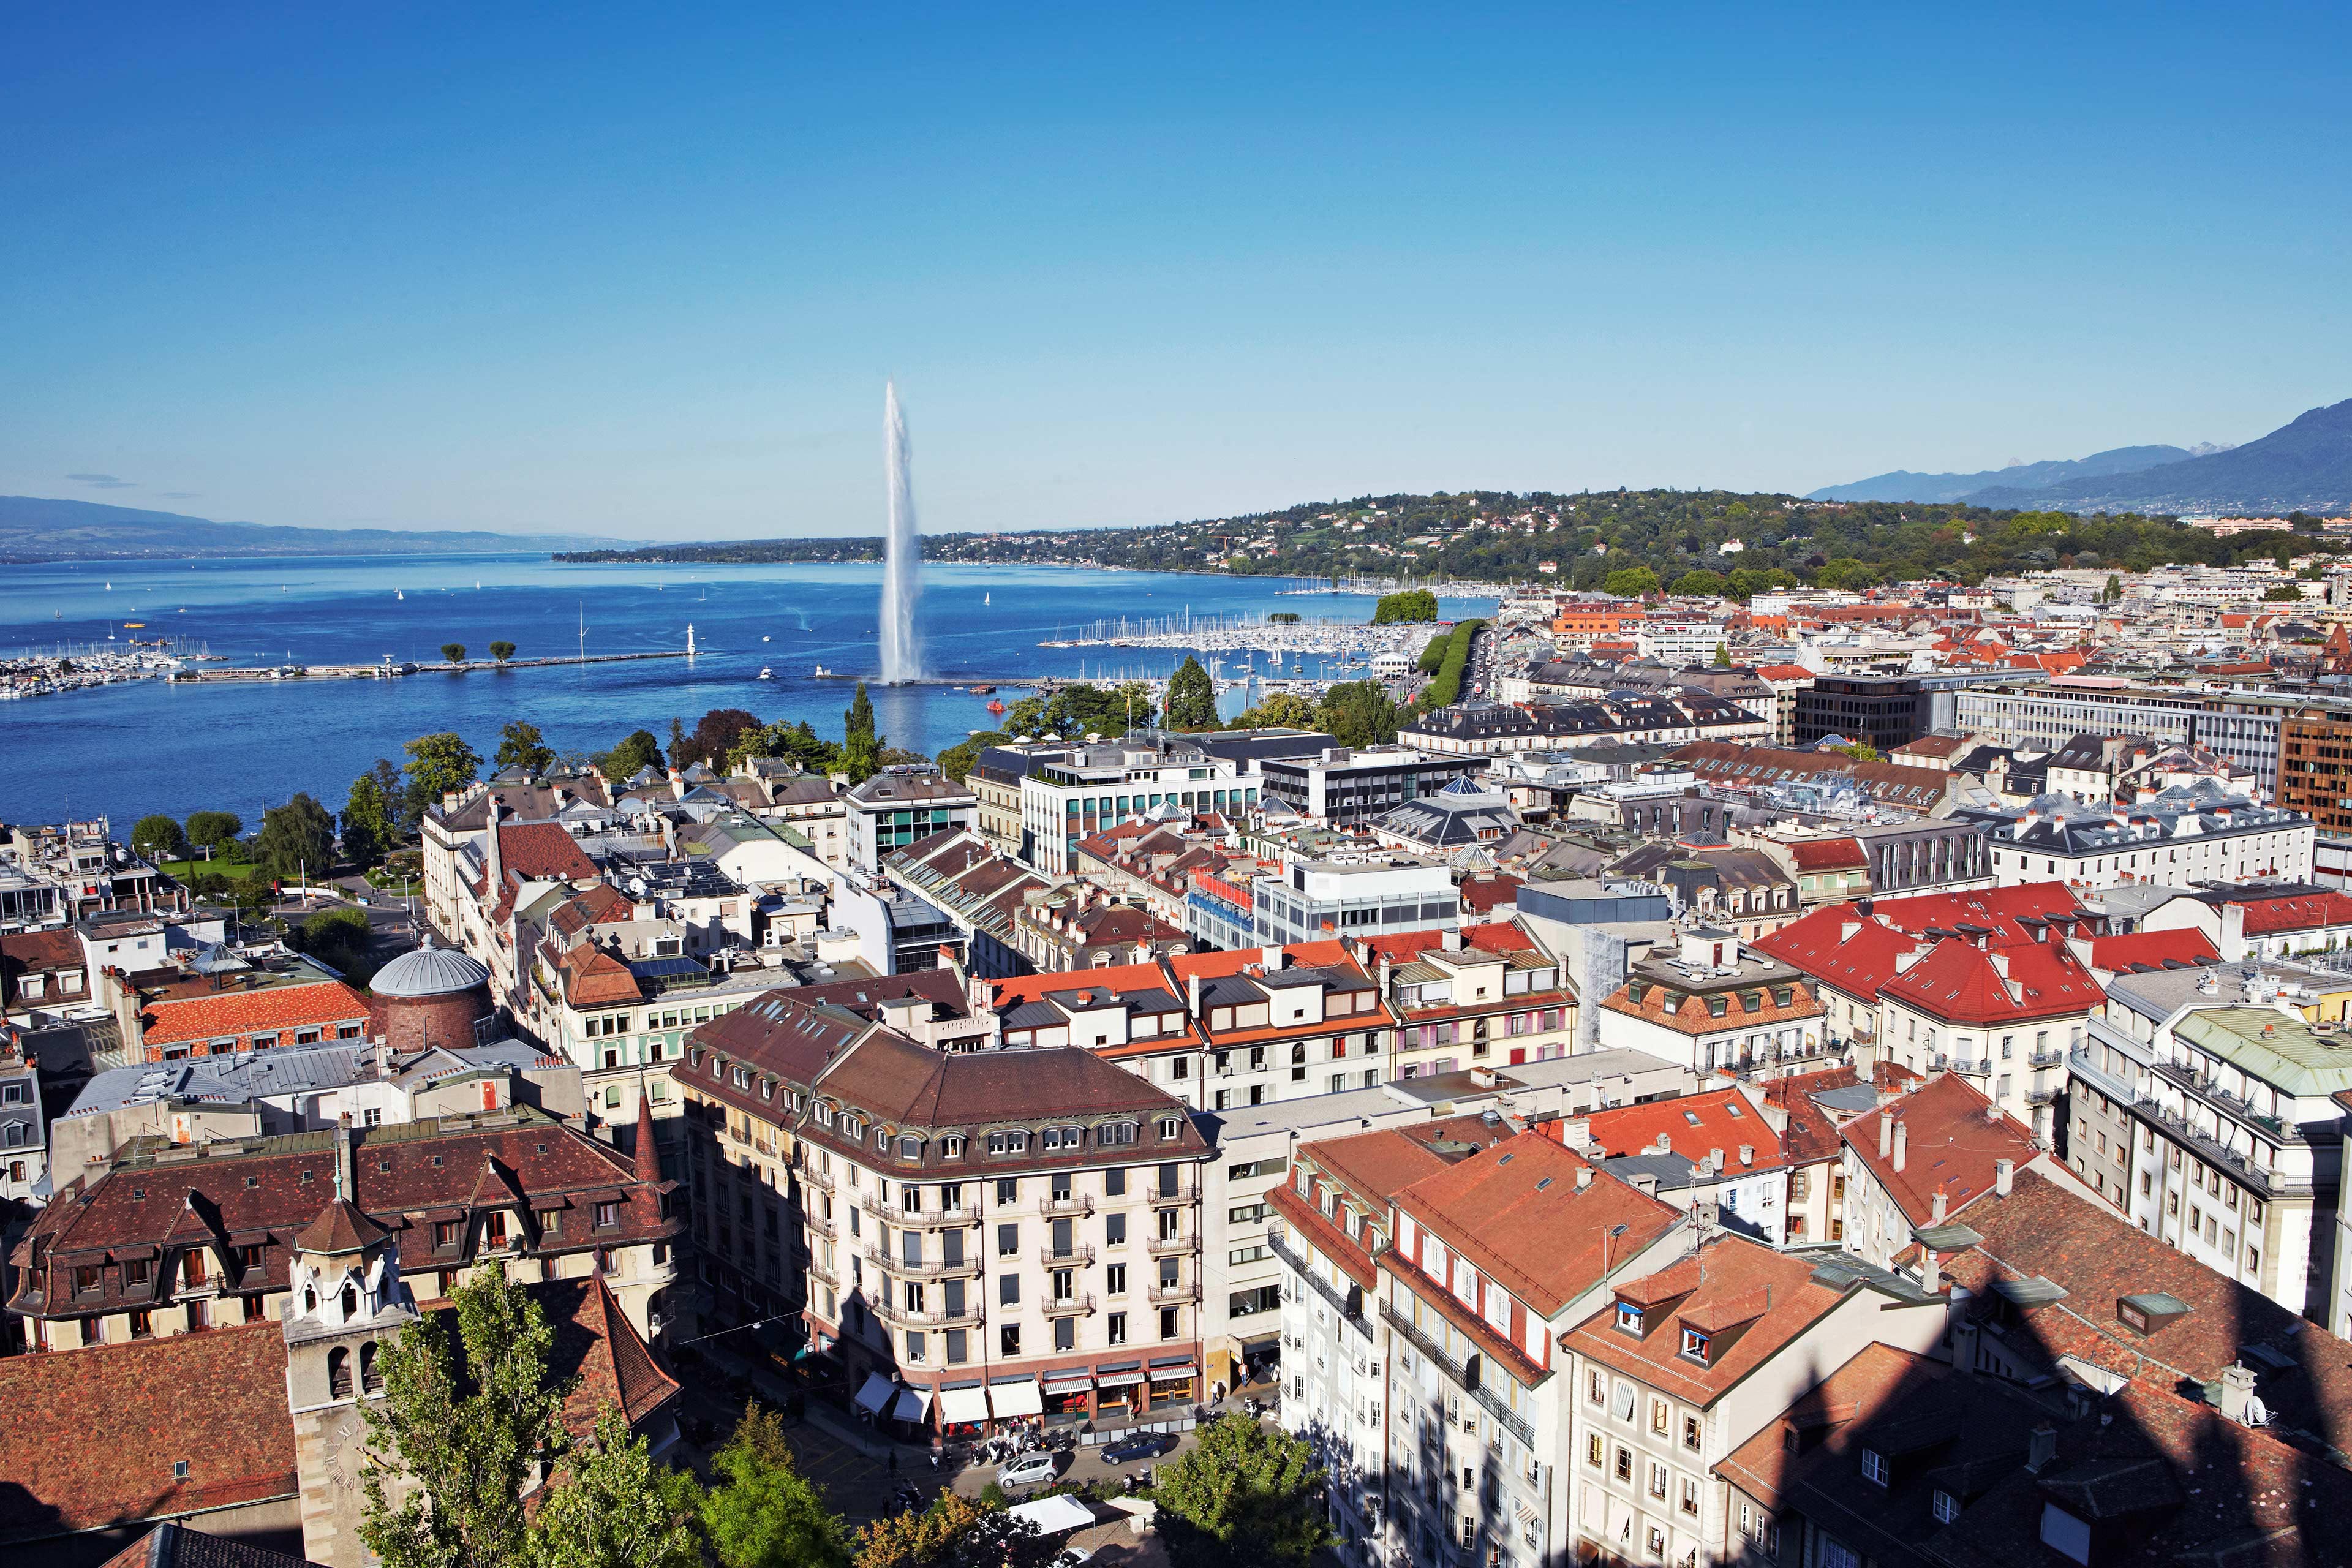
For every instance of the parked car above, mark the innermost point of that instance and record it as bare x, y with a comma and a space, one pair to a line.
1138, 1445
1034, 1469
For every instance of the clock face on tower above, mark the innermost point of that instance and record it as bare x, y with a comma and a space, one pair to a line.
346, 1443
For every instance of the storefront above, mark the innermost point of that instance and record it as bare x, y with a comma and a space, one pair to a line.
1015, 1399
1174, 1380
963, 1409
1121, 1392
1069, 1395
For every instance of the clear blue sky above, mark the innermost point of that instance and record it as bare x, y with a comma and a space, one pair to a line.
642, 270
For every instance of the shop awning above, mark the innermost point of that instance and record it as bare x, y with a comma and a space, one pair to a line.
961, 1406
1068, 1381
1017, 1396
873, 1393
1117, 1379
1171, 1371
914, 1404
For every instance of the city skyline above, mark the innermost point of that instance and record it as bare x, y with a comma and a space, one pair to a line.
444, 271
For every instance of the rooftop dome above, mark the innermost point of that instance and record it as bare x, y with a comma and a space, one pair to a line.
429, 971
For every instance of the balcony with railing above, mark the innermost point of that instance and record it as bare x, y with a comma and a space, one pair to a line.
818, 1225
2266, 1184
1173, 1295
1071, 1305
889, 1213
1066, 1258
2048, 1057
1458, 1375
1174, 1245
926, 1316
922, 1267
2272, 1129
820, 1269
1065, 1206
1187, 1191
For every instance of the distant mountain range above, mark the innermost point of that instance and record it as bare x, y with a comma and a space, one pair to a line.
33, 528
1904, 485
2305, 465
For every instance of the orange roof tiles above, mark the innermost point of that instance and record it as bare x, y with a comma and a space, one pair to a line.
1817, 855
1693, 1126
2306, 911
1960, 983
2154, 949
1515, 1211
242, 1014
542, 852
1743, 1282
1952, 1144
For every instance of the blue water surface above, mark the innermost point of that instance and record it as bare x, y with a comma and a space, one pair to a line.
128, 750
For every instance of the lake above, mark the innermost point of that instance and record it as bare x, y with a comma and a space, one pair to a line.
128, 750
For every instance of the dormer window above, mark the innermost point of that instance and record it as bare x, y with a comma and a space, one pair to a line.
1946, 1507
1629, 1317
951, 1146
1696, 1345
1875, 1468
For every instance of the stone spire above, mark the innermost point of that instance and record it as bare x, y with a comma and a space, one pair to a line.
647, 1156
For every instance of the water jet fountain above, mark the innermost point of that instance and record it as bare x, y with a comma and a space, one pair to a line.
902, 661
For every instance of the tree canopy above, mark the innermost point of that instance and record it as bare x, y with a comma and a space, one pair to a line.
438, 764
638, 750
215, 830
454, 652
371, 825
1358, 714
296, 839
760, 1512
522, 746
1192, 697
1248, 1496
159, 837
1412, 604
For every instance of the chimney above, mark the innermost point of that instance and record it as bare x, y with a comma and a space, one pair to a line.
496, 878
1192, 992
1747, 1153
2237, 1393
1576, 1133
2004, 1176
1865, 1067
1931, 1274
1935, 1207
1715, 1158
1902, 1144
1583, 1177
1271, 957
345, 1186
1886, 1136
1992, 1114
1450, 939
2041, 1446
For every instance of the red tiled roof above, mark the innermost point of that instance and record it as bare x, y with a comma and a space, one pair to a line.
1694, 1018
1119, 979
1829, 855
597, 979
542, 852
1952, 1144
2153, 948
1495, 936
2306, 911
1960, 983
91, 1436
1328, 953
1542, 1243
1743, 1282
1693, 1125
1783, 672
1480, 895
272, 1009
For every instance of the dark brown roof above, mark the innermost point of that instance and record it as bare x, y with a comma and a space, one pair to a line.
92, 1435
174, 1545
270, 1191
339, 1228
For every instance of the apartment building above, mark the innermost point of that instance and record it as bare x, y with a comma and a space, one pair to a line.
2202, 1107
2314, 770
1130, 1015
173, 1238
1087, 789
1482, 995
2178, 836
1495, 1258
2044, 715
1335, 1349
1310, 899
1239, 1262
1715, 1152
1716, 1002
899, 805
986, 1235
2003, 1016
1281, 1023
1920, 1159
1349, 787
24, 1129
1687, 1362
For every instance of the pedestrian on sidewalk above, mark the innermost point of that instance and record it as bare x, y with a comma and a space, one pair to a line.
893, 1462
